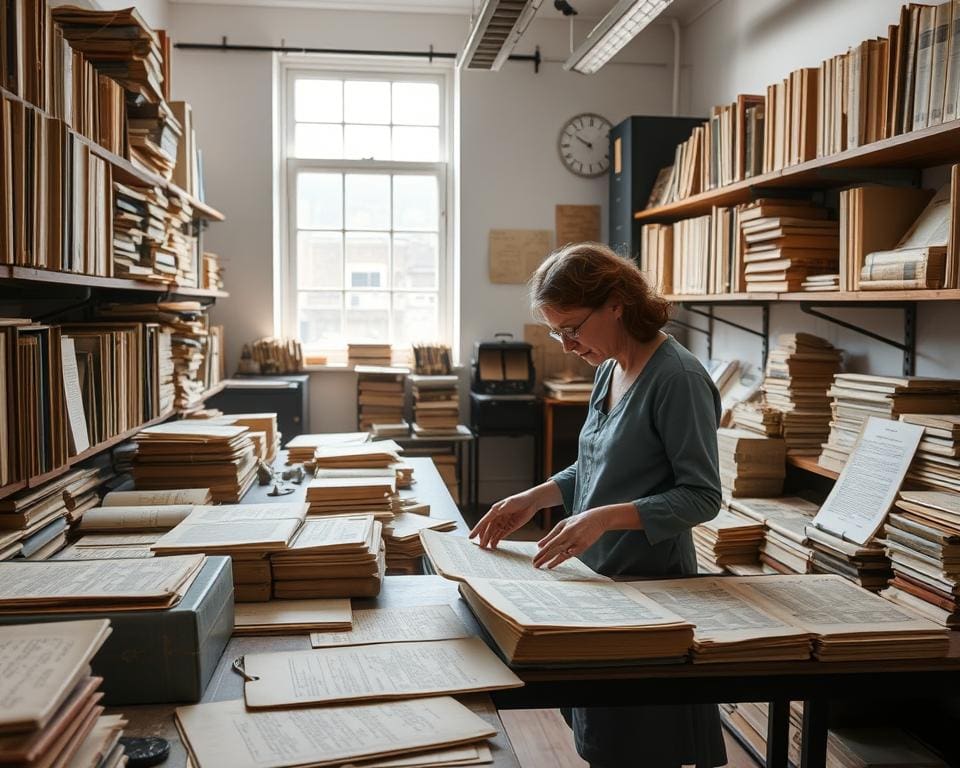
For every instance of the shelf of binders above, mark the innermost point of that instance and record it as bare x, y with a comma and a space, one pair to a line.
126, 172
923, 148
52, 277
820, 297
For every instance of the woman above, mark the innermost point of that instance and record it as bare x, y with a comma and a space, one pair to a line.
646, 473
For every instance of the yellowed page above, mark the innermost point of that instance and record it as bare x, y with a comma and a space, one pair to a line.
141, 518
229, 513
408, 523
191, 496
388, 671
333, 532
515, 254
252, 534
293, 613
472, 754
396, 625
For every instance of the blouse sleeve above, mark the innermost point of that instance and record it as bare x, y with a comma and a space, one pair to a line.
566, 480
686, 419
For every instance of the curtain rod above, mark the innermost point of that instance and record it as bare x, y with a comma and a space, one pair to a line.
430, 54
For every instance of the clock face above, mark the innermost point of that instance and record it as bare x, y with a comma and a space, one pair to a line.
584, 145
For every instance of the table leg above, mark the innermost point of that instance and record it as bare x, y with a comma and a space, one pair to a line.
778, 733
813, 745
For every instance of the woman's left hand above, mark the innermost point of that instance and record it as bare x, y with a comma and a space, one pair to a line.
569, 538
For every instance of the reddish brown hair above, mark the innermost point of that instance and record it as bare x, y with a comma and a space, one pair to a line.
588, 275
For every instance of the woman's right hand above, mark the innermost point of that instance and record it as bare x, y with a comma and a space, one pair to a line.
505, 517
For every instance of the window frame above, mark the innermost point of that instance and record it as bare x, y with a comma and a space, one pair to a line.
332, 67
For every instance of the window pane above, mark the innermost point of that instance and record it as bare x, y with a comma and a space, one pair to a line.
415, 204
319, 201
368, 260
415, 318
368, 201
416, 144
319, 260
366, 101
320, 316
313, 140
368, 316
415, 261
416, 103
318, 101
366, 142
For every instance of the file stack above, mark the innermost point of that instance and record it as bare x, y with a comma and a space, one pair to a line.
331, 557
192, 452
436, 406
353, 495
936, 463
401, 537
263, 431
52, 713
750, 465
785, 547
302, 448
858, 396
864, 564
380, 395
729, 539
757, 416
923, 542
369, 354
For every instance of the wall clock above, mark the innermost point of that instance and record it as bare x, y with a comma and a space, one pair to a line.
584, 144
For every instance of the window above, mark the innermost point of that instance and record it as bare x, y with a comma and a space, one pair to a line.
366, 252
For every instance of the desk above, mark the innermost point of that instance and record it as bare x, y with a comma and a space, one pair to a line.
460, 445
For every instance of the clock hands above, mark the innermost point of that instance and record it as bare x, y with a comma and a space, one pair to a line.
583, 141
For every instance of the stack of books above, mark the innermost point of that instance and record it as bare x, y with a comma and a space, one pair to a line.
784, 242
751, 465
923, 542
369, 355
52, 714
436, 405
401, 537
858, 396
785, 547
387, 431
332, 557
155, 134
757, 416
353, 495
863, 564
192, 452
936, 464
380, 395
729, 539
211, 272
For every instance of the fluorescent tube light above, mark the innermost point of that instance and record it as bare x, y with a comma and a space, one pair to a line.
614, 31
496, 30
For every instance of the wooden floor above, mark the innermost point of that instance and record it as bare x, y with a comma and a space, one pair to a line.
542, 739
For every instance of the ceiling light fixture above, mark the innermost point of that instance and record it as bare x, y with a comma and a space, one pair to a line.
614, 31
495, 31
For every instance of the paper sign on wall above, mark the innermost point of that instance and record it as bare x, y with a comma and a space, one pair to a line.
577, 224
515, 254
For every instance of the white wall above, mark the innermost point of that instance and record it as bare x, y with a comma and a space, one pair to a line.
510, 173
740, 46
154, 12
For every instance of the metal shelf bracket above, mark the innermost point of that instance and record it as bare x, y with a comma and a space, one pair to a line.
763, 333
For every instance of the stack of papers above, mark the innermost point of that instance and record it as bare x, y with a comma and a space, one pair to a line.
193, 452
290, 617
936, 463
263, 430
331, 557
51, 713
785, 547
177, 496
863, 564
750, 464
110, 546
728, 539
381, 454
436, 405
302, 448
401, 537
352, 495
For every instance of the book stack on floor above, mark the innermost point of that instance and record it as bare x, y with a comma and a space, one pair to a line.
52, 713
936, 464
248, 533
785, 547
380, 395
192, 452
730, 539
923, 541
353, 495
332, 557
365, 355
785, 242
436, 405
401, 537
302, 449
858, 396
751, 465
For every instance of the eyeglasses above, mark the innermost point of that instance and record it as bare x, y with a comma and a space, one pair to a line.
559, 334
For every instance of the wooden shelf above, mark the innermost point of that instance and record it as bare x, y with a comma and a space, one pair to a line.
819, 297
721, 298
918, 149
809, 464
53, 277
126, 172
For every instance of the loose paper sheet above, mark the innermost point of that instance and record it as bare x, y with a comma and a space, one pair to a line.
252, 534
515, 254
191, 496
408, 523
577, 224
229, 513
868, 484
457, 558
388, 671
396, 625
225, 733
79, 438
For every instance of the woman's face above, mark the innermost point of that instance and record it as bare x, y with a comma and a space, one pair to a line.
591, 334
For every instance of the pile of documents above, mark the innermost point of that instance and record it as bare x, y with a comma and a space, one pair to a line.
331, 557
755, 415
220, 457
51, 713
248, 533
864, 564
401, 537
729, 539
263, 431
785, 547
936, 464
923, 542
302, 448
578, 391
292, 617
858, 396
382, 454
369, 354
799, 372
751, 465
436, 405
380, 394
351, 495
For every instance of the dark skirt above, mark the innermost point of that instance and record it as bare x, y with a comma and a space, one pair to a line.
648, 737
